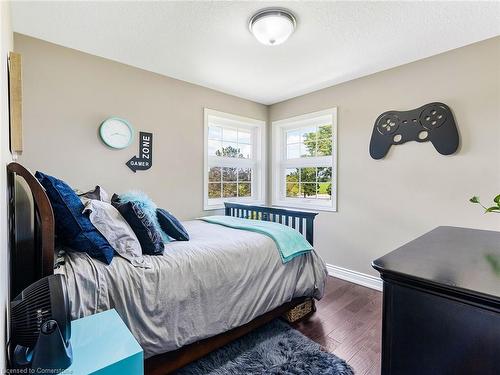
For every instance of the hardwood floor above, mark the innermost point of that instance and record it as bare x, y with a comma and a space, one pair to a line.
348, 323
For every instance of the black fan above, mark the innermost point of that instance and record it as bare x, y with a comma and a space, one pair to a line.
41, 326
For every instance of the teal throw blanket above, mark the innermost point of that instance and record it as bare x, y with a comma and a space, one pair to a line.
290, 243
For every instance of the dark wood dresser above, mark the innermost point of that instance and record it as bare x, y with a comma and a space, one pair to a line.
441, 304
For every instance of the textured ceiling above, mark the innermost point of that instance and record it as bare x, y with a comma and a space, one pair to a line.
208, 43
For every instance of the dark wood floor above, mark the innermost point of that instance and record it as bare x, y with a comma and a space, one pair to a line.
348, 323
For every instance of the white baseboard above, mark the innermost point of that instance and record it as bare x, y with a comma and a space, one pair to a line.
355, 277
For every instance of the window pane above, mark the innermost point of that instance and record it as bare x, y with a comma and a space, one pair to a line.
324, 174
325, 140
325, 190
292, 175
325, 131
308, 190
245, 174
214, 190
293, 136
292, 190
214, 174
244, 189
229, 135
311, 142
214, 148
308, 133
229, 174
230, 150
230, 190
325, 147
244, 137
233, 159
308, 174
293, 151
215, 132
245, 151
308, 146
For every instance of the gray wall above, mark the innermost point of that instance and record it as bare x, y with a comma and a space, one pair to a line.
6, 45
67, 94
383, 204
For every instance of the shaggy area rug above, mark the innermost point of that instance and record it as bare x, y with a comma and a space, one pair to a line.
276, 349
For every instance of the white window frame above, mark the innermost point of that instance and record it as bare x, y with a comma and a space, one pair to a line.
257, 162
280, 163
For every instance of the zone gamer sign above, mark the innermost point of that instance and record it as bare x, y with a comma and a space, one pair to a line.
145, 159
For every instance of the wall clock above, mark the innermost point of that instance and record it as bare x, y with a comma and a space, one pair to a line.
116, 132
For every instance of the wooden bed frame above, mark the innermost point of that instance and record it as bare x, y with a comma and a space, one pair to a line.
303, 221
31, 260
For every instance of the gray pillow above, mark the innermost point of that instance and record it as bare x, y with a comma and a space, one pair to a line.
116, 230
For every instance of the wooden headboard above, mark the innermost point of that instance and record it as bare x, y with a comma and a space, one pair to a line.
34, 259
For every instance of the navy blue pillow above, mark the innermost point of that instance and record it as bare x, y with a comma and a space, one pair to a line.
73, 228
171, 225
148, 235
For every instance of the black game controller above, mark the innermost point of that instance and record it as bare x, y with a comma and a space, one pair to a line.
432, 122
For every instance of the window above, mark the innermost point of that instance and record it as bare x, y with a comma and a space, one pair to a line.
234, 160
304, 161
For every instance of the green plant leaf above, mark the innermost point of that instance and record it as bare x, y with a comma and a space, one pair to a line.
494, 261
493, 209
474, 199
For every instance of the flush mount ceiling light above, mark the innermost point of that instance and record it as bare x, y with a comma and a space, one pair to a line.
272, 26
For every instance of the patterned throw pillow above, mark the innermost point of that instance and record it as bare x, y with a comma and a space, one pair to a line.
141, 223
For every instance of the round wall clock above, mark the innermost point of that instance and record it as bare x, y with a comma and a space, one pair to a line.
116, 132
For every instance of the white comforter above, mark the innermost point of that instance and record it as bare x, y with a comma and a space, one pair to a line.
220, 279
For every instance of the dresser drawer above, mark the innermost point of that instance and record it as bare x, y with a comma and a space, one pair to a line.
430, 333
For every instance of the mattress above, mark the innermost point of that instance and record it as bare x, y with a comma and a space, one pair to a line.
221, 279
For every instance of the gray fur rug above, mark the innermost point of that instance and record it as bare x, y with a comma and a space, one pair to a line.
274, 349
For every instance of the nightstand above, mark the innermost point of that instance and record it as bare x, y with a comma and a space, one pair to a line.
102, 344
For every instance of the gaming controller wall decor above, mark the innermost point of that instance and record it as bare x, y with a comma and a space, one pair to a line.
432, 122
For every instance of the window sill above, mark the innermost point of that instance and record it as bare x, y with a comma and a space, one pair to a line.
305, 206
213, 208
220, 206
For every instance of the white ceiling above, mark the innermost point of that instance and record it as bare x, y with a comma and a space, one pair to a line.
208, 43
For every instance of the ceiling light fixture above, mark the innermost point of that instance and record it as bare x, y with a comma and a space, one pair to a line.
272, 26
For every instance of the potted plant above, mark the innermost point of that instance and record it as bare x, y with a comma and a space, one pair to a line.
492, 259
495, 208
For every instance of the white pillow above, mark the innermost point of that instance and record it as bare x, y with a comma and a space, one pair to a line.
111, 224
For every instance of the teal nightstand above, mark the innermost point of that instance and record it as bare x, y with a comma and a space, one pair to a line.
102, 344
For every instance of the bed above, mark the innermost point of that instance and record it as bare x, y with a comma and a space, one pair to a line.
196, 297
